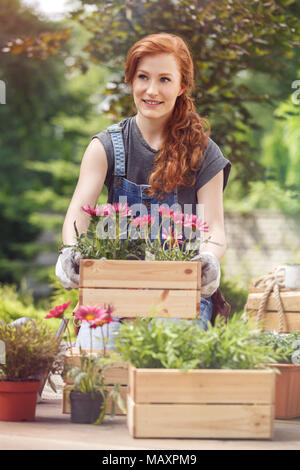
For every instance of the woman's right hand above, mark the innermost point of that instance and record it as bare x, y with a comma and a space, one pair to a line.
67, 268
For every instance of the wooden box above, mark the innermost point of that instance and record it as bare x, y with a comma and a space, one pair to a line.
117, 374
132, 287
290, 300
203, 403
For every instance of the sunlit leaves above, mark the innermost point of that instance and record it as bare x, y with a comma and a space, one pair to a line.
40, 47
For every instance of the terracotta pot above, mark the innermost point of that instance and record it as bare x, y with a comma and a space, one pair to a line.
18, 400
287, 391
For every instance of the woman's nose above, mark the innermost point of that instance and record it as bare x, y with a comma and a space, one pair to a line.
152, 88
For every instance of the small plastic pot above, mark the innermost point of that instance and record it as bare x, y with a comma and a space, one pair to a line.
85, 408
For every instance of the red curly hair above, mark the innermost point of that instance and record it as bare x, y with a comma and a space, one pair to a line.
186, 132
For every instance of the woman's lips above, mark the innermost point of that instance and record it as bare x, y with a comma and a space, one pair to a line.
152, 103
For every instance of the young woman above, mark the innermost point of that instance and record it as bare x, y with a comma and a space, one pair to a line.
160, 155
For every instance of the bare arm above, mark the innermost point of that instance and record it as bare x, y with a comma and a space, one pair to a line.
92, 175
211, 196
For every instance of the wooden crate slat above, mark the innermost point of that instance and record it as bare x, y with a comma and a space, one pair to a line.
142, 274
270, 321
132, 303
201, 386
116, 374
290, 301
200, 421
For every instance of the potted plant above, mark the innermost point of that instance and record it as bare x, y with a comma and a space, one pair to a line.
189, 383
287, 348
30, 349
88, 391
112, 252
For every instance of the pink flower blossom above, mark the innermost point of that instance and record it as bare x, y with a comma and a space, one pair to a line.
58, 311
95, 316
93, 212
177, 217
106, 210
194, 222
172, 236
88, 313
102, 320
143, 221
165, 212
122, 209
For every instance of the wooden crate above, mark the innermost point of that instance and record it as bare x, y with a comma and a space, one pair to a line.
270, 321
132, 287
116, 374
203, 403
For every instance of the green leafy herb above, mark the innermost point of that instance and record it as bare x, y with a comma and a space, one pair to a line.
155, 343
286, 346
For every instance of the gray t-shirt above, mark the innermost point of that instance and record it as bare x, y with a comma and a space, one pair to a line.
139, 158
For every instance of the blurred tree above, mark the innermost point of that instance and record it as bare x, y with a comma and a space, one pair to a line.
226, 37
39, 100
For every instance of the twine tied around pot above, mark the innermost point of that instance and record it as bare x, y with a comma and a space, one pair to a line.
269, 283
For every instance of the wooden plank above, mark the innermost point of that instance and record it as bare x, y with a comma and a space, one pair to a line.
140, 274
132, 303
200, 421
290, 301
116, 374
66, 406
201, 386
131, 416
270, 321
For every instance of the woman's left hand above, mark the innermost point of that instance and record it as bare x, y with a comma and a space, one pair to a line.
210, 272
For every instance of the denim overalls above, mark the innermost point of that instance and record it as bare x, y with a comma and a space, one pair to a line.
132, 194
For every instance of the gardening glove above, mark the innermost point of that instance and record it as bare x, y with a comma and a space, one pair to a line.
67, 268
210, 273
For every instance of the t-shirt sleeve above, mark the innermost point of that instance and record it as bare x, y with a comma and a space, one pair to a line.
104, 137
214, 161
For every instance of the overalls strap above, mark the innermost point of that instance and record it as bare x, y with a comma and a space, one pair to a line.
119, 153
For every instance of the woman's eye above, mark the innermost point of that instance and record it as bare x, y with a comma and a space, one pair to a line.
165, 79
142, 76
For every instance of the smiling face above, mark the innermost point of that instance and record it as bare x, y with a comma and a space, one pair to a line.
156, 86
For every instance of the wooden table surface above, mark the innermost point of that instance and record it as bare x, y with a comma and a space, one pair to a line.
53, 430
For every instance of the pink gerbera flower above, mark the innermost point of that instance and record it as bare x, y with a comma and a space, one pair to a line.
89, 210
106, 210
122, 209
58, 311
165, 211
194, 222
143, 221
177, 217
88, 313
172, 236
99, 316
104, 319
